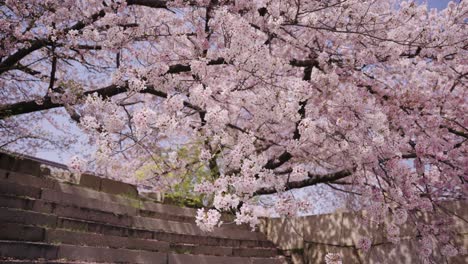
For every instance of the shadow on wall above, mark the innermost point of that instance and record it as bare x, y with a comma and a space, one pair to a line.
308, 239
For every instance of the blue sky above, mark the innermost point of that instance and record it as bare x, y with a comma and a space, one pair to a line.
439, 4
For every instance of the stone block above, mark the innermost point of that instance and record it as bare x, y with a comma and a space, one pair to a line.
26, 204
71, 224
27, 217
139, 233
200, 259
90, 239
277, 260
90, 181
91, 215
19, 164
459, 212
27, 250
297, 258
12, 231
256, 243
93, 194
353, 228
286, 233
255, 252
97, 254
29, 180
13, 202
405, 252
201, 250
177, 218
169, 209
325, 229
9, 188
232, 233
40, 206
460, 241
152, 224
120, 188
315, 253
78, 201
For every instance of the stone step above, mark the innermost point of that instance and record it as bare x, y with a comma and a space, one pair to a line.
62, 210
28, 165
23, 261
27, 250
34, 250
27, 261
220, 238
11, 178
13, 189
224, 251
17, 232
94, 215
66, 194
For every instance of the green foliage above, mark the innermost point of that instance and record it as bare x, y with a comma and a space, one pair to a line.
182, 168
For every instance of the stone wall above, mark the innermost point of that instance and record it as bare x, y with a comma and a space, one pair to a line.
96, 220
308, 239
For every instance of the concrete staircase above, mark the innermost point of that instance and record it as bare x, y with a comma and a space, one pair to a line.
105, 221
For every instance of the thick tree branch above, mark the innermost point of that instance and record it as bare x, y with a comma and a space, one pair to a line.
26, 107
9, 62
312, 180
149, 3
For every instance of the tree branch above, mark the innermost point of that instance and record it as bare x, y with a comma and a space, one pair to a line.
312, 180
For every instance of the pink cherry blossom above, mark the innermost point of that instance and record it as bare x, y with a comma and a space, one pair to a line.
207, 220
77, 165
333, 258
364, 243
364, 98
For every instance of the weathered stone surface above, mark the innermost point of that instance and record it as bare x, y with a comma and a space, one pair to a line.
268, 261
168, 209
324, 229
27, 217
200, 259
164, 216
97, 254
404, 252
89, 239
153, 224
120, 188
461, 241
255, 252
192, 229
236, 234
286, 233
13, 202
26, 179
101, 221
18, 164
459, 210
93, 194
13, 231
298, 258
315, 253
90, 181
25, 203
78, 201
353, 228
9, 188
92, 215
201, 250
27, 250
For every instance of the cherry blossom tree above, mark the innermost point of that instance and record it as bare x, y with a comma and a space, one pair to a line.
366, 96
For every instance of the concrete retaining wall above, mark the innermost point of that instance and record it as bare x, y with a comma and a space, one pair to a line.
309, 239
